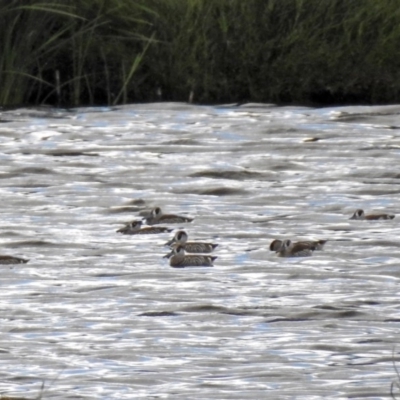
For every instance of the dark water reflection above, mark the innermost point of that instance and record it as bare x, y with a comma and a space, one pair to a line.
99, 315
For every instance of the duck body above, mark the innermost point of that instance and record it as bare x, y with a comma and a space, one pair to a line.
181, 238
179, 259
289, 249
199, 247
135, 228
12, 260
317, 244
360, 215
157, 217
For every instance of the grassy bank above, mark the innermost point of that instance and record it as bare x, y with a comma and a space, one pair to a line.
118, 51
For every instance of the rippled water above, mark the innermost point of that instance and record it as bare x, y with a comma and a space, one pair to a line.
98, 315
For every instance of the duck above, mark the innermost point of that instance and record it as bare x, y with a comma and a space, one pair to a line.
179, 259
157, 217
318, 244
181, 238
360, 215
289, 249
12, 260
135, 228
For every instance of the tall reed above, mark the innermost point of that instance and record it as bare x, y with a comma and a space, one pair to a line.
76, 52
69, 52
278, 50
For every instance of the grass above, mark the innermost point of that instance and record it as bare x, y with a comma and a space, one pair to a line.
63, 52
66, 52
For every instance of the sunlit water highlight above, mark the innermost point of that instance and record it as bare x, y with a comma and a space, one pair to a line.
98, 315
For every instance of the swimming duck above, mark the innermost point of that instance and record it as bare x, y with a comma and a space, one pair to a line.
289, 249
317, 244
181, 238
12, 260
157, 217
179, 259
135, 228
359, 214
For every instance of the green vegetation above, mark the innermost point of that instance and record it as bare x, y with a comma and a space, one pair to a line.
67, 52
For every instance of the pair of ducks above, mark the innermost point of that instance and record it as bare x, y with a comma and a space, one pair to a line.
179, 244
178, 257
285, 248
156, 217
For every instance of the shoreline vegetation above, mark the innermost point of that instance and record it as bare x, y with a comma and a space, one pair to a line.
109, 52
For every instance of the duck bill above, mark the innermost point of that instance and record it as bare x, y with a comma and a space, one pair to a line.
168, 255
170, 242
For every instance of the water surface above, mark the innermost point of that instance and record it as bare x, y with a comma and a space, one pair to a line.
98, 315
